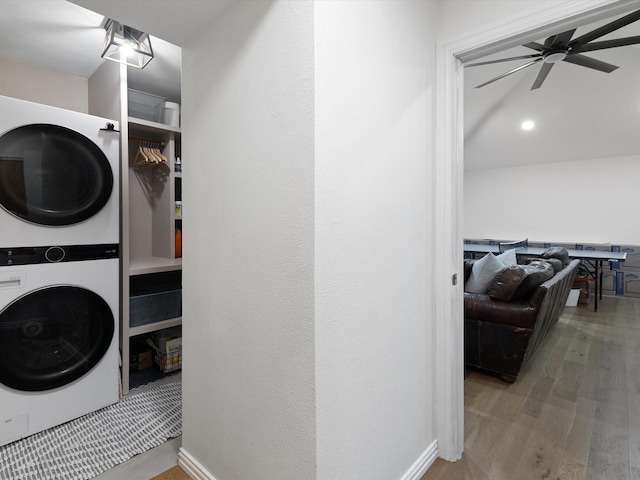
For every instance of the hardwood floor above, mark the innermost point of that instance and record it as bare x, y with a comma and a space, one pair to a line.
574, 412
175, 473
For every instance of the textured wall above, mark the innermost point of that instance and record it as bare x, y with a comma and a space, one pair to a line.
374, 79
248, 243
589, 201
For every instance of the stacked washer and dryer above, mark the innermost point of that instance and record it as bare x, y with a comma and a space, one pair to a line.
59, 266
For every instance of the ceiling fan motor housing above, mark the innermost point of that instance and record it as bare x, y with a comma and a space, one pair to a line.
555, 56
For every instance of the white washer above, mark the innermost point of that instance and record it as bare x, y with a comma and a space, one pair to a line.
59, 176
58, 336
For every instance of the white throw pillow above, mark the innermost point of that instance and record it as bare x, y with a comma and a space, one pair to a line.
508, 258
483, 273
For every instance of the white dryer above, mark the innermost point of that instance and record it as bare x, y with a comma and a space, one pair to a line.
59, 176
58, 335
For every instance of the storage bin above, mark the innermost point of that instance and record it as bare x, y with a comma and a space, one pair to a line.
572, 300
169, 362
153, 307
167, 344
172, 114
146, 106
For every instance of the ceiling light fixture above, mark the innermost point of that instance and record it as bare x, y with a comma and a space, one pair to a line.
527, 125
127, 45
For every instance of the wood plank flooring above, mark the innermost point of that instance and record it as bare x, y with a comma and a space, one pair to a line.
175, 473
573, 413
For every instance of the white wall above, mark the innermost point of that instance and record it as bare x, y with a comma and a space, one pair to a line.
588, 201
374, 65
248, 193
248, 243
43, 85
307, 338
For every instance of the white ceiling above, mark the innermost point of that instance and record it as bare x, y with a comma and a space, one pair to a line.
579, 113
51, 33
68, 36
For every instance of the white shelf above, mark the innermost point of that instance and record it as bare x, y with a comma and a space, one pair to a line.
152, 327
144, 265
146, 124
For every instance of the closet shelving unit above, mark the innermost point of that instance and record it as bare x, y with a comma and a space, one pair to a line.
149, 233
148, 215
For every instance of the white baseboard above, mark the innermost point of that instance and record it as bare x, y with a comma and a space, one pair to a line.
422, 464
197, 472
192, 467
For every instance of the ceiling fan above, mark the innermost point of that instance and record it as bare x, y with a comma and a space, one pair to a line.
560, 48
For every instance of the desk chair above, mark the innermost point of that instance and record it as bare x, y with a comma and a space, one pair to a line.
504, 246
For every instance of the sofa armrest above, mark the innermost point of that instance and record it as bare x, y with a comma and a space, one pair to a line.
482, 308
558, 285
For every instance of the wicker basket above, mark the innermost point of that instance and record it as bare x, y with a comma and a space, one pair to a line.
168, 361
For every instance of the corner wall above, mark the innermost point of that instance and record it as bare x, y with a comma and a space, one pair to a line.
306, 288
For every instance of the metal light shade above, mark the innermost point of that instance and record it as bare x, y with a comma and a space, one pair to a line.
124, 44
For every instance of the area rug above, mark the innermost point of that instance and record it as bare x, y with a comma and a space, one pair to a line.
90, 445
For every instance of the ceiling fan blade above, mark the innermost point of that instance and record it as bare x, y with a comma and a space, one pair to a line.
549, 41
523, 57
536, 46
618, 42
517, 69
561, 39
608, 28
544, 71
589, 62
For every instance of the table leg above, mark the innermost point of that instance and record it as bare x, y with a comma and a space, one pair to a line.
601, 279
598, 285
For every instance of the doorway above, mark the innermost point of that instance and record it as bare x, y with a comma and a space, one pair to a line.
449, 170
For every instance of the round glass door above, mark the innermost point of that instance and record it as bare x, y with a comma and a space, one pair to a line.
51, 175
53, 336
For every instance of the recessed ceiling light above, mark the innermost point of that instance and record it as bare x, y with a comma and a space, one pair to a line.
527, 125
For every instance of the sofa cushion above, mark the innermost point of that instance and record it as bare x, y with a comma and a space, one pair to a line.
508, 258
555, 263
518, 281
468, 266
483, 273
557, 252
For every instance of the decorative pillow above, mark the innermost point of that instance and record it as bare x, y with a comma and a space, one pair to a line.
483, 273
468, 266
508, 258
555, 263
517, 281
557, 252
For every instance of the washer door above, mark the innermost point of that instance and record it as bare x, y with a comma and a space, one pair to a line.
51, 175
53, 336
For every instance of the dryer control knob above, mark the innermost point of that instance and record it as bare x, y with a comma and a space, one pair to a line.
54, 254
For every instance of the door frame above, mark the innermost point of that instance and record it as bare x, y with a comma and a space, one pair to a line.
448, 175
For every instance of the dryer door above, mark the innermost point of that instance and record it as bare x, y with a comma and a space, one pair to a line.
51, 175
53, 336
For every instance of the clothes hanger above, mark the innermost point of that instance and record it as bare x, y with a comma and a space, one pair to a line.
141, 159
149, 154
160, 154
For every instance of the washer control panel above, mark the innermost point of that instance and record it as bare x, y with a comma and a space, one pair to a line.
57, 253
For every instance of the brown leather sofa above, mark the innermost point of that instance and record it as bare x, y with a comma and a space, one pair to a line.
501, 336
